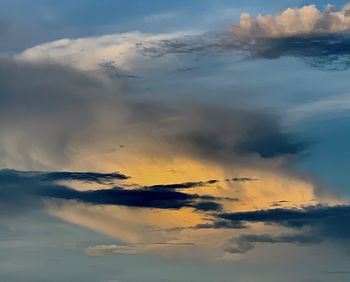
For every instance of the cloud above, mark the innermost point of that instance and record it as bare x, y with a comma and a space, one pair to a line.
57, 103
109, 249
100, 178
331, 222
72, 109
137, 214
240, 179
247, 242
321, 51
130, 249
120, 50
224, 224
161, 199
56, 117
186, 185
319, 38
324, 52
304, 21
34, 187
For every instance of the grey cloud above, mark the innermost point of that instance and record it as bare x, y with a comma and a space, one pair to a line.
329, 222
322, 51
240, 179
25, 191
100, 178
220, 134
186, 185
222, 224
49, 112
325, 52
44, 109
247, 242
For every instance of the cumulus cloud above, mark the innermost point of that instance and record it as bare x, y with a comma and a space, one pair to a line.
319, 38
304, 21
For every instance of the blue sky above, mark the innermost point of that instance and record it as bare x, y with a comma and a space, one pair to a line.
229, 133
40, 21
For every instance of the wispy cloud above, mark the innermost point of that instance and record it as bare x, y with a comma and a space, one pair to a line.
246, 242
319, 38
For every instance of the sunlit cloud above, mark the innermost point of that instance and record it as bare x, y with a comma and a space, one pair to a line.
179, 177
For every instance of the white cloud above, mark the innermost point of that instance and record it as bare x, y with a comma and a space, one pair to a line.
307, 20
88, 53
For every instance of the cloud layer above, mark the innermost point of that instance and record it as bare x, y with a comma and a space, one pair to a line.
23, 193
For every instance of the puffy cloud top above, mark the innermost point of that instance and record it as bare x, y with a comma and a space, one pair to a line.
307, 20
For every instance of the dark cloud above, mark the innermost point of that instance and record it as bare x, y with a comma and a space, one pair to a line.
247, 242
100, 178
240, 179
147, 198
186, 185
205, 43
331, 222
268, 144
207, 206
218, 224
329, 52
20, 191
230, 132
324, 52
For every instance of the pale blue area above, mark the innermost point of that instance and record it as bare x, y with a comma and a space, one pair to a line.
329, 155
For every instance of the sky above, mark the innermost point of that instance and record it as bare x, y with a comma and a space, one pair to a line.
170, 141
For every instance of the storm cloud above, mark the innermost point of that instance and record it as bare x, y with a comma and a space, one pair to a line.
70, 109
